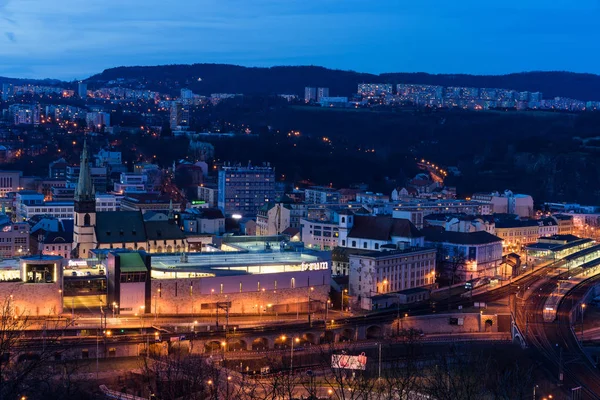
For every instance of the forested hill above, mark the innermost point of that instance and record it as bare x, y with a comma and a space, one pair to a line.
223, 78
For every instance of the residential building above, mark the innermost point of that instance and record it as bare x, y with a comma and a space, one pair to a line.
209, 221
516, 234
416, 209
273, 219
58, 169
146, 202
462, 222
58, 244
14, 238
243, 190
97, 120
180, 115
25, 114
464, 256
208, 192
321, 195
131, 183
507, 203
374, 89
374, 232
107, 157
565, 224
7, 91
372, 198
386, 272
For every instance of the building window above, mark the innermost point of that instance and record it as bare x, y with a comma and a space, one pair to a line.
354, 243
343, 243
376, 246
343, 220
365, 245
86, 220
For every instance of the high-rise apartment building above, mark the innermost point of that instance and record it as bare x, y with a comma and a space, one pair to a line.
186, 95
243, 190
7, 91
310, 94
374, 89
97, 119
82, 90
25, 114
322, 92
180, 115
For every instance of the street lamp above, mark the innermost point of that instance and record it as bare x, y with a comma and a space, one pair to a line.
292, 339
309, 292
343, 291
224, 347
115, 307
327, 310
582, 310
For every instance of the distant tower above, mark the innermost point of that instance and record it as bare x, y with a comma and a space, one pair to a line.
82, 90
84, 210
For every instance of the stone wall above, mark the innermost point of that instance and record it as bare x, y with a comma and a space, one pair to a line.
32, 299
472, 322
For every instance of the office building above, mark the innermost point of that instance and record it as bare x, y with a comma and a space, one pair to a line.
243, 190
9, 181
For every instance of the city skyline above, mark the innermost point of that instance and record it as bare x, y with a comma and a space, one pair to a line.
73, 40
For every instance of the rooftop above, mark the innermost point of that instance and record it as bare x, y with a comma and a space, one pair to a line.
473, 238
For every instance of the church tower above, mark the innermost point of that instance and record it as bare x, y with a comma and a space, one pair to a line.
85, 210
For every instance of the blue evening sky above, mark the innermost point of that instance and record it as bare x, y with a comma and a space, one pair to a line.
72, 39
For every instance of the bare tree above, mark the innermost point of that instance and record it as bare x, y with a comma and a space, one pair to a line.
459, 374
29, 350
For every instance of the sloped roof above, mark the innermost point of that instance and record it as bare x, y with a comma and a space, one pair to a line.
58, 237
163, 230
120, 227
436, 235
290, 231
382, 228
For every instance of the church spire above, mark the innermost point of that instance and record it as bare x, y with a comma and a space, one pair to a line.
85, 188
171, 215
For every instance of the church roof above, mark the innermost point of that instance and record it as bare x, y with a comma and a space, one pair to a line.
129, 226
120, 227
163, 230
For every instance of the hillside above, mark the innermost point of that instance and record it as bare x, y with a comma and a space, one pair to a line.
215, 78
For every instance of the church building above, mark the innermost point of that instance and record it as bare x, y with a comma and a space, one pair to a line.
118, 229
